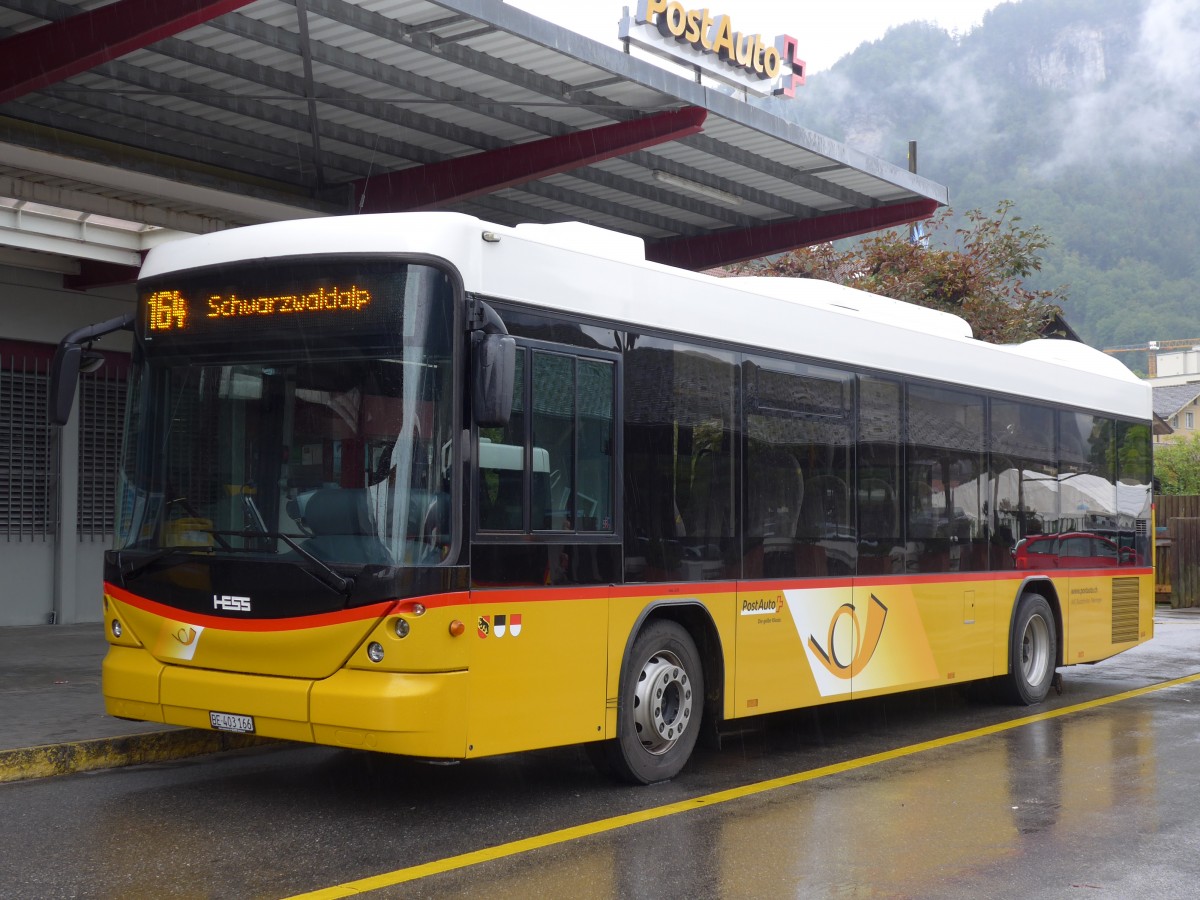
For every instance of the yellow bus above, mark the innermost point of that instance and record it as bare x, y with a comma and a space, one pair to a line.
425, 485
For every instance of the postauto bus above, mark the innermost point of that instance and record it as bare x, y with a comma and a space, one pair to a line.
425, 485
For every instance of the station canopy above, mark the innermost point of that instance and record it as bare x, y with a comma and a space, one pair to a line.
195, 115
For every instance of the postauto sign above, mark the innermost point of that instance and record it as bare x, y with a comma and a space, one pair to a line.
711, 42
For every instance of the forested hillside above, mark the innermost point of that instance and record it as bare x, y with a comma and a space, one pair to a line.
1085, 113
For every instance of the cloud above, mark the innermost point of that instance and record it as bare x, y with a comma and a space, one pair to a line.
1147, 108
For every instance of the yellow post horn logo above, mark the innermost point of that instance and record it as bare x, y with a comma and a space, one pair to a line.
864, 646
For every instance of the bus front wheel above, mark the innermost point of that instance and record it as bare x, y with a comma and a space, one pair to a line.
660, 705
1033, 651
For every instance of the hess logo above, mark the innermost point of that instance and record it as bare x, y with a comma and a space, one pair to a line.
864, 638
230, 603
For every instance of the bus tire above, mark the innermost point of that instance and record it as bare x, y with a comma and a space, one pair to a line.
1032, 651
660, 705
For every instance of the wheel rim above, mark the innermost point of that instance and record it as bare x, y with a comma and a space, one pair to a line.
1035, 650
662, 702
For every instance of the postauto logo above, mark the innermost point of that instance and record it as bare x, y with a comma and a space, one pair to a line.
846, 616
865, 642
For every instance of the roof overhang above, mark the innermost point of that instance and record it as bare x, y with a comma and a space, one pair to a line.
197, 116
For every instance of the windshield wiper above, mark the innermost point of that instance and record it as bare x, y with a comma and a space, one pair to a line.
325, 573
130, 569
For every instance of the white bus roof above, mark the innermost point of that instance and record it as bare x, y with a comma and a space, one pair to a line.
587, 271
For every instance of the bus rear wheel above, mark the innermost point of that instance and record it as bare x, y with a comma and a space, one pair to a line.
1033, 651
660, 706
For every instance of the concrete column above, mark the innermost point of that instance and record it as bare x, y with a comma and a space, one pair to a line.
66, 534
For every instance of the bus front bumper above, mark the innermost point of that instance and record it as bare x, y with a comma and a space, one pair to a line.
422, 714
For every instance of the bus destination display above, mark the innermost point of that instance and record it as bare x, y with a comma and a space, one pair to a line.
171, 311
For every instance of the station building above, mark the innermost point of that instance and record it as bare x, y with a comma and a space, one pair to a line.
129, 123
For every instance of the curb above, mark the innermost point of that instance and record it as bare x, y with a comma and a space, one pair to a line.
111, 753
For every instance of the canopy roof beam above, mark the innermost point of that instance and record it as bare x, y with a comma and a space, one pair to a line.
727, 247
32, 60
462, 178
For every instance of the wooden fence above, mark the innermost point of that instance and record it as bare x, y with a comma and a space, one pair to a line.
1171, 506
1177, 550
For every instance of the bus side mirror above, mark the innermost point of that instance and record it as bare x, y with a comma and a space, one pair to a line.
494, 364
71, 358
64, 373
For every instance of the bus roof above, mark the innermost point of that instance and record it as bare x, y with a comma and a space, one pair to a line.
583, 270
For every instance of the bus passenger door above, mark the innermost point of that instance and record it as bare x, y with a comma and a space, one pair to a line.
933, 625
798, 535
545, 549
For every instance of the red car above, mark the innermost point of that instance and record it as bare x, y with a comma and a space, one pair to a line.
1072, 550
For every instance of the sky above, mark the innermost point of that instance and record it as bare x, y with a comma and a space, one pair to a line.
826, 31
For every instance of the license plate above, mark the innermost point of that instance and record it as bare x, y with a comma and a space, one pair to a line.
231, 722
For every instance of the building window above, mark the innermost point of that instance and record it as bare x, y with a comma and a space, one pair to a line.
1189, 421
101, 412
27, 449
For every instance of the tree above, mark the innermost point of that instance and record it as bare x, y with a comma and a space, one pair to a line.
979, 276
1177, 465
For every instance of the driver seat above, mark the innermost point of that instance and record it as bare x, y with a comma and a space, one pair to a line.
342, 529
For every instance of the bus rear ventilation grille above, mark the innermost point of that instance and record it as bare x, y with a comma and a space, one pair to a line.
1125, 596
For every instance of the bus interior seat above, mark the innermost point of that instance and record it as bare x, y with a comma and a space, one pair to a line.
773, 510
342, 529
824, 508
504, 511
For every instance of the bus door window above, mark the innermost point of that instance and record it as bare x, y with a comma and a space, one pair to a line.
547, 475
501, 456
799, 518
680, 462
554, 417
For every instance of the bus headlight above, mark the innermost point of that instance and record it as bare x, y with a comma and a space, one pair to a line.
116, 628
375, 651
402, 628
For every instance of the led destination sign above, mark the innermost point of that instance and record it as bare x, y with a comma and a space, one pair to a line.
169, 310
257, 308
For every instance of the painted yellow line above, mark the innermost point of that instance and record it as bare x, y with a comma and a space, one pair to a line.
588, 829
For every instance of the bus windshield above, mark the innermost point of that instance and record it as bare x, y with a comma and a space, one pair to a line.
319, 440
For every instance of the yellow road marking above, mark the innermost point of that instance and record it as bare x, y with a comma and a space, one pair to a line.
588, 829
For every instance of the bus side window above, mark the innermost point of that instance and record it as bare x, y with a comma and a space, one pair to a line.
881, 546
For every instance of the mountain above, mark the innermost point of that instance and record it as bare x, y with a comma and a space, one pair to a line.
1082, 112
